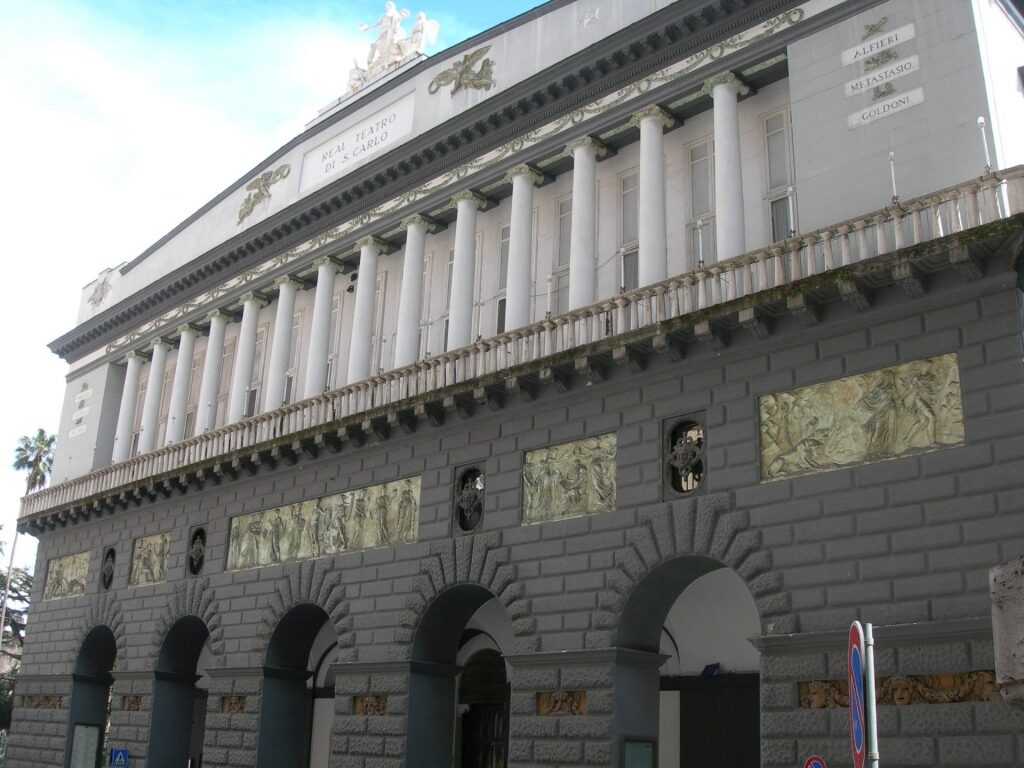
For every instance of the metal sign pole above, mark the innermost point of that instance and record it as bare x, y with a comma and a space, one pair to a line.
869, 695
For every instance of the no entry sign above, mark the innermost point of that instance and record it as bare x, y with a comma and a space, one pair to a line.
815, 761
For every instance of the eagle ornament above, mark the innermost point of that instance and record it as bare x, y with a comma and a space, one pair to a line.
462, 74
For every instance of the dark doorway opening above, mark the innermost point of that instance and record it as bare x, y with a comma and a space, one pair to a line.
179, 706
89, 710
719, 719
484, 711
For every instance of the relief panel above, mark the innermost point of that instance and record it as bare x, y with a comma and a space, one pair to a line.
376, 516
65, 576
149, 560
872, 416
569, 480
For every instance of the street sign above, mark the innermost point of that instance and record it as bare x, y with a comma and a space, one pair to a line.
858, 726
119, 757
815, 761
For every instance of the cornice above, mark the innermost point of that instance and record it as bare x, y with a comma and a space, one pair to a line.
665, 36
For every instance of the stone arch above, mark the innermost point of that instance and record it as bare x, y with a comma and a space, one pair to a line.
311, 582
192, 597
102, 610
468, 560
710, 533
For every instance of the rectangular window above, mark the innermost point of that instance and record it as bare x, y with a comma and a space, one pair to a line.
424, 345
504, 235
227, 366
564, 232
140, 398
252, 392
332, 343
700, 224
291, 376
165, 406
779, 176
628, 200
378, 344
192, 404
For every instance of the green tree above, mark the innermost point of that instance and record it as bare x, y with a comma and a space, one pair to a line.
35, 456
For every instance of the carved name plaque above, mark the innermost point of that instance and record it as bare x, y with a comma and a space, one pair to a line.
65, 576
562, 703
877, 415
948, 688
569, 480
377, 516
372, 706
358, 143
149, 560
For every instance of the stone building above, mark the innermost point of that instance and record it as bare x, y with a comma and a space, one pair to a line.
558, 400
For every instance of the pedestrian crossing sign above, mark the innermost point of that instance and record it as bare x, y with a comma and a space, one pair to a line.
119, 757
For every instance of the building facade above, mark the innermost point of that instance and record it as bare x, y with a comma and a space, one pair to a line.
559, 399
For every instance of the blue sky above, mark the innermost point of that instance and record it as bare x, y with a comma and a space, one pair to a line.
120, 119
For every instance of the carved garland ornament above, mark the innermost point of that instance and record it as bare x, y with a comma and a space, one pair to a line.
901, 690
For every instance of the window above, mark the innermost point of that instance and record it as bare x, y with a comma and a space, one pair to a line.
378, 343
503, 241
227, 364
140, 398
702, 203
195, 379
252, 392
424, 345
629, 277
447, 295
779, 175
165, 405
332, 344
291, 376
559, 302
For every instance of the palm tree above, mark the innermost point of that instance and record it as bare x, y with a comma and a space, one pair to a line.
35, 455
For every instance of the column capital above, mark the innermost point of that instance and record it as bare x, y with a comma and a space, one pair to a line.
535, 176
256, 298
287, 280
585, 142
373, 242
186, 327
134, 355
157, 343
325, 261
468, 195
418, 218
725, 78
218, 314
666, 120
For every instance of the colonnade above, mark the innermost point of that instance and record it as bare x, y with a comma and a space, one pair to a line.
585, 152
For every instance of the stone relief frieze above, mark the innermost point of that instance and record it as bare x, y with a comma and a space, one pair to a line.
872, 416
556, 703
149, 560
372, 706
462, 74
697, 61
569, 480
65, 576
376, 516
259, 190
947, 688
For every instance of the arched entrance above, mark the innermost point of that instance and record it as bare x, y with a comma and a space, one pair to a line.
179, 704
458, 687
295, 726
89, 710
703, 701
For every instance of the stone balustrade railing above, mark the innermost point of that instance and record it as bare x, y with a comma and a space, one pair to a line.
976, 202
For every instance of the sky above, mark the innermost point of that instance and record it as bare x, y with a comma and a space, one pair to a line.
119, 119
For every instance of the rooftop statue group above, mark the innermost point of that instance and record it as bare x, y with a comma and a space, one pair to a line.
392, 46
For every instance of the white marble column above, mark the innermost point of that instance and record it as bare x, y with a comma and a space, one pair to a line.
281, 346
320, 331
209, 387
362, 316
407, 341
180, 384
460, 309
730, 232
245, 355
652, 259
582, 265
520, 241
154, 392
126, 413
